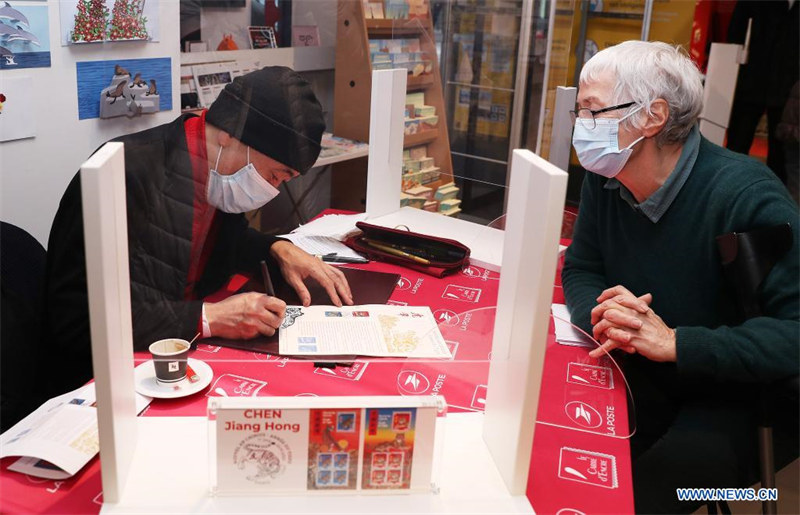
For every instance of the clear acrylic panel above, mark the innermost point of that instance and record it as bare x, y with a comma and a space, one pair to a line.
582, 388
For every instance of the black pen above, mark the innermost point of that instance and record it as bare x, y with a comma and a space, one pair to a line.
335, 258
268, 289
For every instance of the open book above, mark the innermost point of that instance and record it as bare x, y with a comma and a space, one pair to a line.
60, 437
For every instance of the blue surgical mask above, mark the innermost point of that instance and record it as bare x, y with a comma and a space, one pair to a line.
242, 191
598, 149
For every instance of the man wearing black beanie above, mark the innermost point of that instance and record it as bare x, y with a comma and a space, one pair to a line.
188, 184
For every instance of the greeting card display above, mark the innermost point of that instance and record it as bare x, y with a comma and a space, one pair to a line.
318, 445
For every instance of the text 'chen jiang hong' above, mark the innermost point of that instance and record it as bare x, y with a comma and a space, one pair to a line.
256, 427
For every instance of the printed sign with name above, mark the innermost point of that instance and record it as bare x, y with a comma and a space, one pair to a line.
292, 444
260, 448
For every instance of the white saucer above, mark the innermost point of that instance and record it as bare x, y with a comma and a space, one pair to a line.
146, 384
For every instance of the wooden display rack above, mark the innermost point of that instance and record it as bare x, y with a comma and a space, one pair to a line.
353, 84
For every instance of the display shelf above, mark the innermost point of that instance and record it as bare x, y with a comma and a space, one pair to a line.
400, 27
420, 138
336, 150
353, 88
419, 83
300, 59
616, 16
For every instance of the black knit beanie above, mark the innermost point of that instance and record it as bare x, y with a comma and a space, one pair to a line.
274, 111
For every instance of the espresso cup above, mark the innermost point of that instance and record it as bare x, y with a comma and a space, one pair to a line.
169, 358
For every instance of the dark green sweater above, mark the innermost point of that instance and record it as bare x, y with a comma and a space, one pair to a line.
677, 261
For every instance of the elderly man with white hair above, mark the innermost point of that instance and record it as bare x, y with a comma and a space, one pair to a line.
643, 272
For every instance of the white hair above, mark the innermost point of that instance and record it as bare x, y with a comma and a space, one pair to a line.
646, 71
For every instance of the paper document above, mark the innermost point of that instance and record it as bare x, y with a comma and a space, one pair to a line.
322, 245
335, 226
60, 437
566, 333
367, 330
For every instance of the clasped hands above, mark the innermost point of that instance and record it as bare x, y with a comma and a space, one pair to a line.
247, 315
622, 320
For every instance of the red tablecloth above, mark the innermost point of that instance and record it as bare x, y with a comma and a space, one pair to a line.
579, 466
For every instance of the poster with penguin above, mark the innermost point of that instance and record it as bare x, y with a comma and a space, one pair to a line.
124, 87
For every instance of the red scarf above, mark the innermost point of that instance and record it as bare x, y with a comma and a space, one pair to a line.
204, 228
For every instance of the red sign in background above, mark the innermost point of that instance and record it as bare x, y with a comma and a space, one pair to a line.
577, 464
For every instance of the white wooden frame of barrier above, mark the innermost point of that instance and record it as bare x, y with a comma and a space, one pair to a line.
537, 190
385, 161
561, 133
720, 86
105, 229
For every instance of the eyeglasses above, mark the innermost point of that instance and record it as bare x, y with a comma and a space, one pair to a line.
586, 115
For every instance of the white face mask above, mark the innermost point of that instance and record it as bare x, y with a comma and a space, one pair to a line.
598, 149
242, 191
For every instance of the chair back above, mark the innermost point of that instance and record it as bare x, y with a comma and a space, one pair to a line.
747, 259
22, 263
22, 364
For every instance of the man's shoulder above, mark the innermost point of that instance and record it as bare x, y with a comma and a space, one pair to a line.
741, 186
148, 152
727, 165
722, 172
160, 134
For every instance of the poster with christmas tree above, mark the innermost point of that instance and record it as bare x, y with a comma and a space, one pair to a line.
99, 21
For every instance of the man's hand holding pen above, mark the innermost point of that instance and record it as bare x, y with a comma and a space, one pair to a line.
251, 314
245, 316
